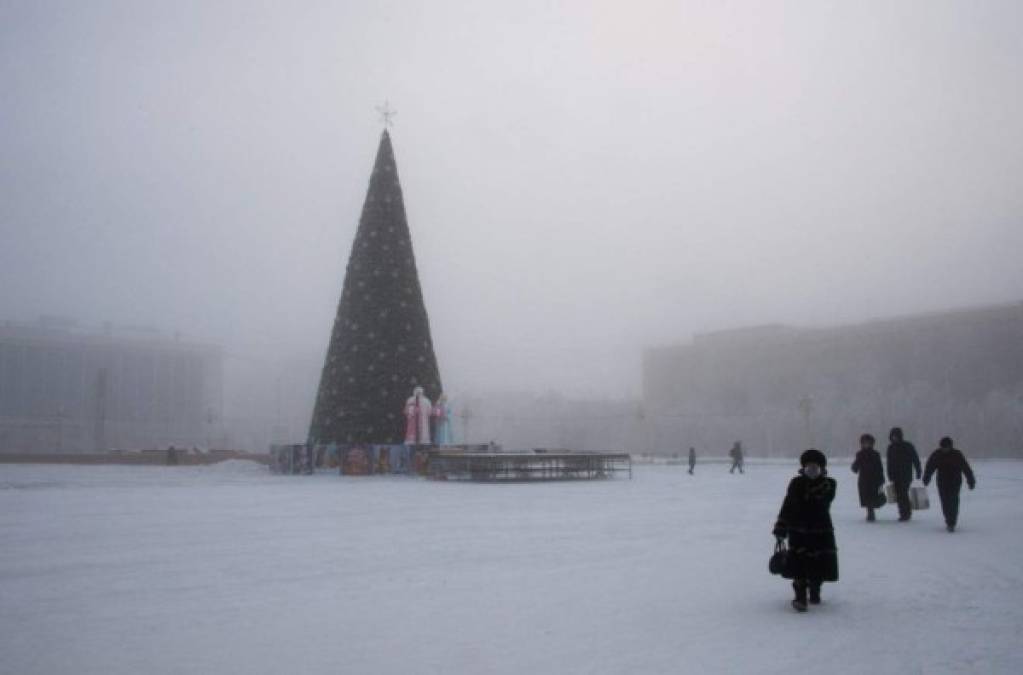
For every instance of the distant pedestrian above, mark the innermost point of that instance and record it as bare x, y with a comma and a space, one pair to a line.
871, 476
902, 461
172, 456
951, 465
692, 460
805, 520
737, 460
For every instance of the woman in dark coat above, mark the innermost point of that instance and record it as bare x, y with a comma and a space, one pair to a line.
805, 520
868, 465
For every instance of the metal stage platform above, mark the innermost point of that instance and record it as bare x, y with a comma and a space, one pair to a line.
500, 467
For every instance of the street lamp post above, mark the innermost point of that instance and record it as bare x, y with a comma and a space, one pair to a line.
806, 407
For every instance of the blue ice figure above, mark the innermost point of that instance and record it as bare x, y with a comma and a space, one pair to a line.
442, 422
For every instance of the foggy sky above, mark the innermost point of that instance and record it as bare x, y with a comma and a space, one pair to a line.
581, 179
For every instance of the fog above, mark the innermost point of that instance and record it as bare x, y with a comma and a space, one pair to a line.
582, 180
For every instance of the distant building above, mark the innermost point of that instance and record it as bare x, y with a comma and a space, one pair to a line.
781, 389
67, 390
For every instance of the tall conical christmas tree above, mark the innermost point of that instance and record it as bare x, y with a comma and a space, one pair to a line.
380, 347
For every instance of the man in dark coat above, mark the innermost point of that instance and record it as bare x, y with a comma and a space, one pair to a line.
950, 464
736, 454
805, 519
902, 461
692, 460
871, 476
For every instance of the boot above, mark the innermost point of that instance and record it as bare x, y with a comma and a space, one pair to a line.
950, 527
799, 603
870, 516
815, 594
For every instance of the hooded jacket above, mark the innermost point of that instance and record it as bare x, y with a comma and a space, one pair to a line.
902, 461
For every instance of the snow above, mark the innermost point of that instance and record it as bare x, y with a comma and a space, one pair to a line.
228, 569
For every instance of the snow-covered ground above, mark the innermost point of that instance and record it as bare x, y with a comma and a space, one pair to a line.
228, 569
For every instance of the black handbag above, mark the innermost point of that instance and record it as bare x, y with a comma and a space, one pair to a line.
779, 563
880, 500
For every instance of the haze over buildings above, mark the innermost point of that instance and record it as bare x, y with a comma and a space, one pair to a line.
583, 180
780, 388
69, 388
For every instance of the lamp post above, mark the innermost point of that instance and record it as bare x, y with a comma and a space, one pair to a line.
806, 408
209, 428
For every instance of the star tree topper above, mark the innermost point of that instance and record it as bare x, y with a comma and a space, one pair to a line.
387, 114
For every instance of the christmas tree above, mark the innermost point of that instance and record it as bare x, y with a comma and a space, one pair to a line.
380, 346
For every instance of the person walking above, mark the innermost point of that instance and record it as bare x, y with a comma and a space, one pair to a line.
902, 461
692, 460
950, 465
871, 476
736, 454
805, 520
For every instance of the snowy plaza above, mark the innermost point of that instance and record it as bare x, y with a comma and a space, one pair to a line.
229, 569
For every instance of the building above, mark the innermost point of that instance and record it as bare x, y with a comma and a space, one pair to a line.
781, 389
68, 390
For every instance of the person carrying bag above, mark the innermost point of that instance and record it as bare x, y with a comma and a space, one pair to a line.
811, 554
902, 462
871, 476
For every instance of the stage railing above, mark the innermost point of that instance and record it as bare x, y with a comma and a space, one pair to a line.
527, 466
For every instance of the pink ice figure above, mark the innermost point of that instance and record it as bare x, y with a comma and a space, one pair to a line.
417, 418
442, 421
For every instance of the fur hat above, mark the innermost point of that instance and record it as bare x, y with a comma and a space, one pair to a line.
895, 434
945, 442
815, 456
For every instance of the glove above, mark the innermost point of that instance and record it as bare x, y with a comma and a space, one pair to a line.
918, 475
973, 485
779, 532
